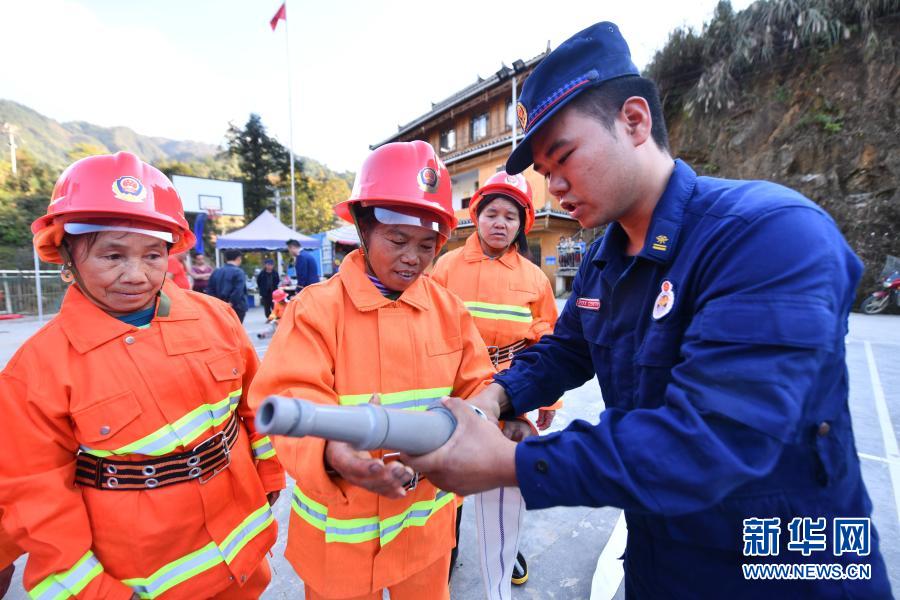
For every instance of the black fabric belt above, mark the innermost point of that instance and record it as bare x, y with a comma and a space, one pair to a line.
502, 354
202, 463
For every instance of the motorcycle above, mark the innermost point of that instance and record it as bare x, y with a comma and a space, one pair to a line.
889, 294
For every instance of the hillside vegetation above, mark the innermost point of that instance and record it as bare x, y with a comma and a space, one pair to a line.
802, 92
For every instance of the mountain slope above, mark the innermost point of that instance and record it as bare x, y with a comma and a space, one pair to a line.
49, 140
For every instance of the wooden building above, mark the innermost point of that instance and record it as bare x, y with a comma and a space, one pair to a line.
473, 132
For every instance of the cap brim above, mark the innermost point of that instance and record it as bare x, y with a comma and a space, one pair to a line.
522, 157
81, 228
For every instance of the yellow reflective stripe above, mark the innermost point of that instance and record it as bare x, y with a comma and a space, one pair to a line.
180, 433
68, 583
263, 448
499, 312
207, 557
416, 515
364, 529
409, 399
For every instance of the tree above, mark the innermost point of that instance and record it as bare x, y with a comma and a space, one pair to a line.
84, 149
316, 198
261, 159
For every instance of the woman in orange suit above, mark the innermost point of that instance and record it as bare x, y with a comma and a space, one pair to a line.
513, 306
360, 522
130, 466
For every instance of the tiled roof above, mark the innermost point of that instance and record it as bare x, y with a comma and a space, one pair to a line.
464, 94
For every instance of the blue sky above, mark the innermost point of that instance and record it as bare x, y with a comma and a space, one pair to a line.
184, 68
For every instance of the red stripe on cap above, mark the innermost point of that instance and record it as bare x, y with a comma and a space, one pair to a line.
562, 96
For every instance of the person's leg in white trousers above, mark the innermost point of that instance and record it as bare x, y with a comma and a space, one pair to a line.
498, 519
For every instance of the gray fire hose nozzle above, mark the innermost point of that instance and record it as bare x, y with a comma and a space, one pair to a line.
365, 427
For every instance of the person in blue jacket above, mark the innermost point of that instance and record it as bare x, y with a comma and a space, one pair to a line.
229, 283
713, 313
305, 267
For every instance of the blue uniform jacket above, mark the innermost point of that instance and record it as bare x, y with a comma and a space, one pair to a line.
229, 283
731, 401
306, 269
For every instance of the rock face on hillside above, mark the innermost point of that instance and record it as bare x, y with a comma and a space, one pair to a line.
824, 123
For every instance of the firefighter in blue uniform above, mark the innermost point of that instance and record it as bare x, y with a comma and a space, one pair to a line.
713, 313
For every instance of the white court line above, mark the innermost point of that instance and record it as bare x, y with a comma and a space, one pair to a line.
609, 572
887, 429
880, 459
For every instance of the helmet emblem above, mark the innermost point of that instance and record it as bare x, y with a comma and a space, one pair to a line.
522, 114
428, 180
129, 189
512, 180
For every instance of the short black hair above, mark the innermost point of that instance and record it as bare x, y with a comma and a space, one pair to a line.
605, 101
293, 243
232, 254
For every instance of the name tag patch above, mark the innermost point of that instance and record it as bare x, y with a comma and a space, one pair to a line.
588, 303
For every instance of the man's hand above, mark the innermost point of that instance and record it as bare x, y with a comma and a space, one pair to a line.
359, 468
477, 457
545, 418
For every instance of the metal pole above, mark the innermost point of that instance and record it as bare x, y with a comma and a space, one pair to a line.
287, 45
37, 285
515, 112
10, 129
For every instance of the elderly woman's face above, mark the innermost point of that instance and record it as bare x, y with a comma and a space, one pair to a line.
121, 271
399, 253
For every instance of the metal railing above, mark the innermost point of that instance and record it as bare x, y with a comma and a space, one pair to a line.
19, 295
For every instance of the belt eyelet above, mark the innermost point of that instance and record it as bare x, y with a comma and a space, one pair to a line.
149, 470
112, 482
151, 483
195, 472
193, 461
111, 469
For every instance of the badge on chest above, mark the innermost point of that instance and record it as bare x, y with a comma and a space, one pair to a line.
665, 300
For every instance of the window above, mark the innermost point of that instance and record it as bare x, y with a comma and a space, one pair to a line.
479, 127
510, 114
466, 202
448, 140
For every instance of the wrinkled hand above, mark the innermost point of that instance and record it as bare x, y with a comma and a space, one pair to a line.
516, 430
489, 401
477, 457
545, 418
272, 497
359, 468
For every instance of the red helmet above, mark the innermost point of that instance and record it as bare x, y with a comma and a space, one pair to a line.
279, 295
404, 175
106, 187
514, 187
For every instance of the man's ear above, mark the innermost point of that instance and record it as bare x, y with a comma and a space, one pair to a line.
638, 122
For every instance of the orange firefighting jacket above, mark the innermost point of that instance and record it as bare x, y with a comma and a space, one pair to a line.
9, 551
339, 342
509, 297
89, 382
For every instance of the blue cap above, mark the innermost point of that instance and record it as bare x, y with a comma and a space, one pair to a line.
588, 58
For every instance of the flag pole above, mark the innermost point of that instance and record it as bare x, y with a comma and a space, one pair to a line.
287, 45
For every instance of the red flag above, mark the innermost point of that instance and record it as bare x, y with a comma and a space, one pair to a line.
281, 14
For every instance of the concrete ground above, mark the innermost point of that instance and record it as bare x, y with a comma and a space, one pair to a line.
563, 545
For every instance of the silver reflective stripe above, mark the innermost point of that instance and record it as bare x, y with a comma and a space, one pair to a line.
181, 433
246, 531
68, 583
176, 572
417, 403
205, 558
263, 448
